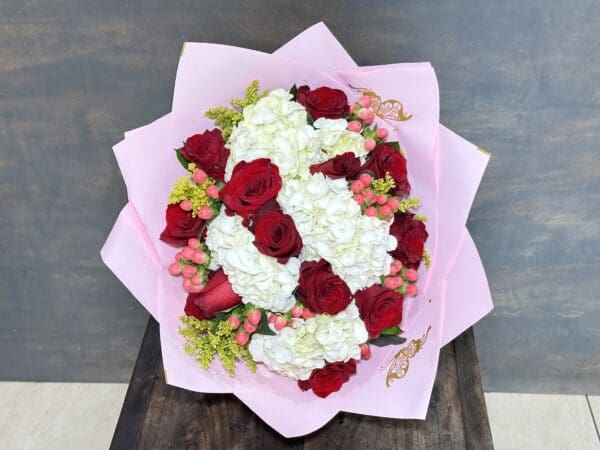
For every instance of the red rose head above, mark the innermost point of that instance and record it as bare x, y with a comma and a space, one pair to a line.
386, 159
207, 150
411, 236
323, 102
346, 166
379, 308
330, 378
180, 226
320, 290
217, 296
276, 235
251, 186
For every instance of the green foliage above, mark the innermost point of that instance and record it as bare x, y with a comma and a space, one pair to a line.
384, 340
227, 118
206, 339
182, 160
392, 330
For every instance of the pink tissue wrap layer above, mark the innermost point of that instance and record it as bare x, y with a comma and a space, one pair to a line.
444, 169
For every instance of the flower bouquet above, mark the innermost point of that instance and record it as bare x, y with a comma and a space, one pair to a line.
313, 248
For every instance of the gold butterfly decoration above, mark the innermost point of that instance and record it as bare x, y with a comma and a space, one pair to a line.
400, 364
387, 109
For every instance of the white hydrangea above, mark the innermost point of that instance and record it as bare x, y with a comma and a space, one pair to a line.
296, 352
332, 227
259, 279
336, 140
275, 128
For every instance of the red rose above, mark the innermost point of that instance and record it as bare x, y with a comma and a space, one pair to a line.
330, 378
320, 290
386, 159
379, 308
192, 310
180, 226
208, 152
216, 296
276, 235
346, 166
323, 102
251, 186
411, 236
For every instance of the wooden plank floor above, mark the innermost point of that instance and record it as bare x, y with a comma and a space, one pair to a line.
457, 416
517, 78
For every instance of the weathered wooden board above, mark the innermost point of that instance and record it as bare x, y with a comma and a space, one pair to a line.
156, 415
520, 79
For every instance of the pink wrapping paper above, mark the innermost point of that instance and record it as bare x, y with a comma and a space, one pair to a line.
454, 293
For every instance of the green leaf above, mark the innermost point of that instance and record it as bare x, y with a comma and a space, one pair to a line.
392, 330
385, 340
263, 327
309, 119
293, 91
394, 144
184, 162
222, 315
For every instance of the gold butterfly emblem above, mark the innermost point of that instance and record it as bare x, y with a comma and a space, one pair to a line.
384, 109
400, 364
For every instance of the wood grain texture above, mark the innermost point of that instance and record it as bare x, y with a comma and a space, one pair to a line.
156, 415
519, 79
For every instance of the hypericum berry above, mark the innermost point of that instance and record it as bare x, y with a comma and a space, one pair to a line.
187, 253
187, 285
411, 290
307, 314
205, 213
199, 257
352, 107
381, 199
398, 264
382, 133
370, 144
297, 311
399, 281
364, 101
197, 279
358, 198
186, 205
212, 191
175, 269
199, 176
369, 195
371, 211
280, 323
357, 187
196, 288
234, 321
365, 179
254, 317
411, 275
271, 319
385, 210
193, 243
189, 271
354, 126
248, 327
365, 351
390, 283
393, 203
393, 269
242, 338
366, 115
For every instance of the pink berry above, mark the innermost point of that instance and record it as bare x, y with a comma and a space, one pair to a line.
196, 288
370, 144
366, 115
187, 285
280, 323
354, 126
411, 275
352, 107
254, 317
234, 321
179, 256
364, 101
297, 311
357, 187
271, 319
358, 198
242, 338
186, 205
248, 327
189, 271
382, 133
369, 195
212, 191
365, 179
393, 203
199, 176
398, 264
382, 199
371, 211
385, 210
307, 314
193, 243
365, 351
187, 253
199, 257
205, 213
399, 281
390, 283
197, 279
411, 290
393, 270
175, 269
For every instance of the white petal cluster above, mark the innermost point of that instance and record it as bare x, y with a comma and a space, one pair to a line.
332, 227
296, 352
257, 278
336, 140
276, 128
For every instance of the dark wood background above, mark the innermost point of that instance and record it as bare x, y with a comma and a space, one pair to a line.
521, 79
